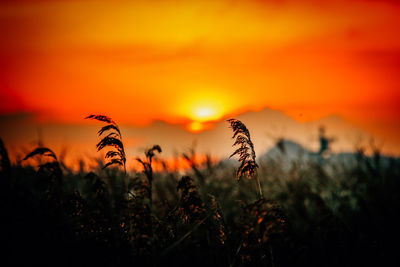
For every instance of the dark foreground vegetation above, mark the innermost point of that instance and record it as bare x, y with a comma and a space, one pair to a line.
316, 213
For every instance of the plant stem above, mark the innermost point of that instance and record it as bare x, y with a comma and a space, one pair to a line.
260, 192
150, 179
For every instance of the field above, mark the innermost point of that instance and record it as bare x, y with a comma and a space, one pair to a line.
301, 213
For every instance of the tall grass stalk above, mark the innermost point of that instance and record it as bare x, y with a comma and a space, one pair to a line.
112, 140
148, 168
246, 153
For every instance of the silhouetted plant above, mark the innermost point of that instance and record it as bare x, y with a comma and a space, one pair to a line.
5, 161
43, 151
217, 222
191, 159
191, 206
113, 139
264, 224
247, 156
49, 175
50, 169
339, 216
148, 168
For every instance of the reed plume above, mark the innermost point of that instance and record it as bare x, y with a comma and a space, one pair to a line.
191, 159
113, 140
52, 169
148, 168
247, 156
217, 222
191, 206
150, 153
44, 151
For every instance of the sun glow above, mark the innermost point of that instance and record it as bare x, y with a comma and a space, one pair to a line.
195, 126
199, 126
205, 105
203, 116
205, 113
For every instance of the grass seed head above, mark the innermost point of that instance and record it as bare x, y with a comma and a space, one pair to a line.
245, 150
112, 140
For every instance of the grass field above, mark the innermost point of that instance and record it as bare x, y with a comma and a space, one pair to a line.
301, 213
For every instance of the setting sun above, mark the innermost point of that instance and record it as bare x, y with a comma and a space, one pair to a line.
205, 113
202, 115
205, 105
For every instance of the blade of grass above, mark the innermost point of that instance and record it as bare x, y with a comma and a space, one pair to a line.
176, 243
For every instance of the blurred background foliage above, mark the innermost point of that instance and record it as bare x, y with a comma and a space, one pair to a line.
313, 213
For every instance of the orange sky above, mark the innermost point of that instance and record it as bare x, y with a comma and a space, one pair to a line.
180, 61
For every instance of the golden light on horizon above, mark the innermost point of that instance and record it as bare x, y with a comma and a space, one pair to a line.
205, 113
199, 126
195, 126
205, 104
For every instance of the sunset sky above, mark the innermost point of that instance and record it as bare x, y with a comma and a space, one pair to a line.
191, 62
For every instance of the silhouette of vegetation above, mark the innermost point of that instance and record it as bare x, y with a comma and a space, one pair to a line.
41, 151
148, 168
191, 159
112, 139
340, 213
5, 164
246, 153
